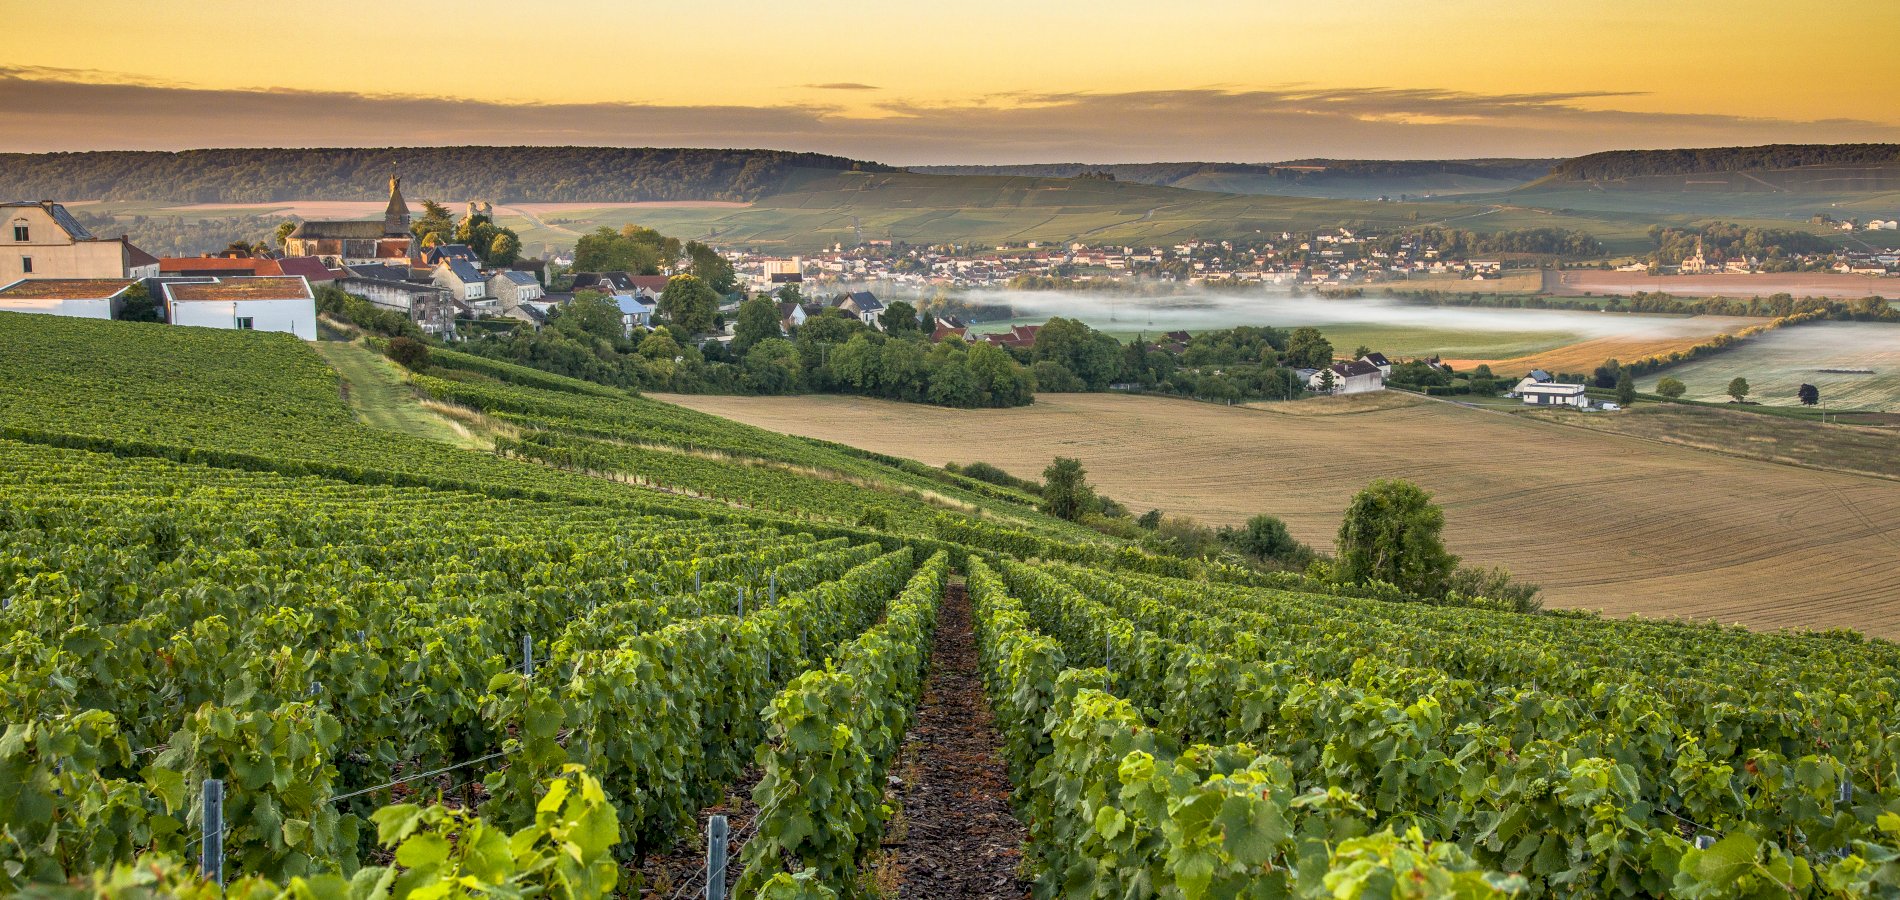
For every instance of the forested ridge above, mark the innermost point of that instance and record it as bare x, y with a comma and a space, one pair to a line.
1299, 170
1635, 163
503, 174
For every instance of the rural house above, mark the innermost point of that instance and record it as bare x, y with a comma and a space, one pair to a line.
864, 305
80, 298
462, 280
1550, 393
512, 288
1378, 360
253, 303
43, 240
635, 312
790, 315
1350, 377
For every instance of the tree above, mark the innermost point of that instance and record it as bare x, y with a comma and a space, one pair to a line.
1266, 537
689, 303
900, 320
1738, 388
1307, 348
1326, 380
710, 266
632, 249
1065, 489
1361, 352
434, 227
1090, 355
758, 321
409, 353
1625, 388
951, 383
283, 231
1392, 533
138, 304
591, 314
772, 367
1809, 395
1671, 388
504, 249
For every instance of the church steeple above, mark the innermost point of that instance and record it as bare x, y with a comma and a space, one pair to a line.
396, 217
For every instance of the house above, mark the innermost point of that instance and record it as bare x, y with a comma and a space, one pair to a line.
43, 240
1350, 377
1539, 376
530, 313
377, 271
635, 312
604, 282
367, 241
864, 305
648, 287
1551, 393
80, 298
462, 280
790, 316
513, 288
1020, 337
311, 268
1379, 361
429, 306
943, 333
247, 303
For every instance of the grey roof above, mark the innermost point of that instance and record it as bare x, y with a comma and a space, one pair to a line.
1355, 367
521, 278
463, 271
411, 287
379, 272
448, 251
866, 301
629, 304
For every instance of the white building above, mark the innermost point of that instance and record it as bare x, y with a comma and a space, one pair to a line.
1550, 393
635, 312
255, 303
79, 298
464, 281
1352, 377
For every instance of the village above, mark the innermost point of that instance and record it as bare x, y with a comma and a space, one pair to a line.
455, 291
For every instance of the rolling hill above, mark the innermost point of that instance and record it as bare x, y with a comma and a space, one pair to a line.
1343, 179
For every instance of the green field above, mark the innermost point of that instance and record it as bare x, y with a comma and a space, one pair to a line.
1779, 362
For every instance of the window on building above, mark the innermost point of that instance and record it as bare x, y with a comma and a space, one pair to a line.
21, 233
26, 265
244, 323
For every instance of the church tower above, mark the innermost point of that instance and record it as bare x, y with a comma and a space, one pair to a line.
396, 217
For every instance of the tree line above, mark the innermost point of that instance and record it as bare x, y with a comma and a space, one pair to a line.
501, 174
1637, 163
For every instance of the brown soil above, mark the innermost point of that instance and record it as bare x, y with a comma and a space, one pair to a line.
681, 871
959, 837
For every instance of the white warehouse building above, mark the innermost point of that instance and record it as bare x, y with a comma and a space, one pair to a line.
260, 303
1550, 393
80, 298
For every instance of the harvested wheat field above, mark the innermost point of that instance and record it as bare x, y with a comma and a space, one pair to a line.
1602, 521
1585, 356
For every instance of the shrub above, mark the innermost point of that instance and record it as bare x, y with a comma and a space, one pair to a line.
409, 353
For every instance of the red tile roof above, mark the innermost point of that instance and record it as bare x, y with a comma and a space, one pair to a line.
241, 266
308, 266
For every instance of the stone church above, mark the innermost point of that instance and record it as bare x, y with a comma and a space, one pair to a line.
358, 242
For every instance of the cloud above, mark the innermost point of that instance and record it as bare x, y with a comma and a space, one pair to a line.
57, 109
843, 86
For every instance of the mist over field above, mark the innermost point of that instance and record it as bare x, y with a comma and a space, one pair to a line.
1201, 309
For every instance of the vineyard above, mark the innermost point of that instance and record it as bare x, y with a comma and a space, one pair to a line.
258, 648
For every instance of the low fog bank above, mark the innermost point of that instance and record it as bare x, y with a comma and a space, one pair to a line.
1207, 309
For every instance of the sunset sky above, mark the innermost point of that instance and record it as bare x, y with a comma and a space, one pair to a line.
969, 82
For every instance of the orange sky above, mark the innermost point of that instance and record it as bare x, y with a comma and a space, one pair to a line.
1231, 80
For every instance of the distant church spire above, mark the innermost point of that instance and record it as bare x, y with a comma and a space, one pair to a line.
396, 217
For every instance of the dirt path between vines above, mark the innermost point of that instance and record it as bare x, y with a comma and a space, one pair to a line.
960, 839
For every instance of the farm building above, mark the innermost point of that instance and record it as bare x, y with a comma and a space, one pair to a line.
1352, 377
80, 298
1551, 393
262, 303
